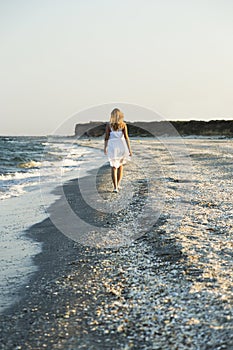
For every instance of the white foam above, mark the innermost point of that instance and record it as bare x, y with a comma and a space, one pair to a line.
70, 156
17, 176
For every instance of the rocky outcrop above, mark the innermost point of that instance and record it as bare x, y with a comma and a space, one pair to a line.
210, 128
162, 128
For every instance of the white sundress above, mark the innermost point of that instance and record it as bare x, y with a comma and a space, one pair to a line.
118, 152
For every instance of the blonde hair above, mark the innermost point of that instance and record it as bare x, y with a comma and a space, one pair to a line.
116, 119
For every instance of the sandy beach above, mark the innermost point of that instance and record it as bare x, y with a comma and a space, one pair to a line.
170, 287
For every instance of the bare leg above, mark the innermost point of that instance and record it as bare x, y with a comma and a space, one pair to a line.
119, 174
114, 177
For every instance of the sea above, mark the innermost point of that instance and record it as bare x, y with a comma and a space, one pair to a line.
30, 169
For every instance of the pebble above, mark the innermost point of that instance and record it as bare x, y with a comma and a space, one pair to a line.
171, 289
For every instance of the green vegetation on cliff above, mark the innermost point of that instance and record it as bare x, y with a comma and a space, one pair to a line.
163, 128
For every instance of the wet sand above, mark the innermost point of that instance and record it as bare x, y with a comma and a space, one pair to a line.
168, 289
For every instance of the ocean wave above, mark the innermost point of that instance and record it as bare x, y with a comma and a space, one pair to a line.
30, 164
14, 191
33, 162
17, 176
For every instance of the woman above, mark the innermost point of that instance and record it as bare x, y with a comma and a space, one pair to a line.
117, 146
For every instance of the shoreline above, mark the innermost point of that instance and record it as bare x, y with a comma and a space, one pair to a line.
43, 306
138, 296
21, 212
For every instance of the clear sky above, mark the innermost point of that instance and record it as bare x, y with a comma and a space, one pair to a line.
62, 56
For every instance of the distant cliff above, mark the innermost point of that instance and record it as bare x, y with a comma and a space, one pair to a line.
166, 128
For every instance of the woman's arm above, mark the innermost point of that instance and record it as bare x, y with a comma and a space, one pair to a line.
107, 133
125, 132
